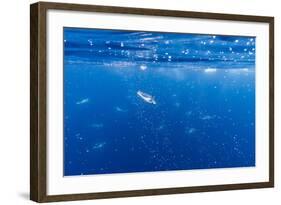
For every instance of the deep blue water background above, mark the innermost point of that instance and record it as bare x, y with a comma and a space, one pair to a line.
204, 88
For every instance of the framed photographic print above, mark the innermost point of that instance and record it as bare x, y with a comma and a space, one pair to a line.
134, 102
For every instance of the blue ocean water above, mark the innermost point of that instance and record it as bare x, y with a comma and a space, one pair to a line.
137, 101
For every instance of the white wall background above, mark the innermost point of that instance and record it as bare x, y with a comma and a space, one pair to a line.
14, 101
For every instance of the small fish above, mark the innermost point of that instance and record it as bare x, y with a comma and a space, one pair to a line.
190, 130
97, 125
83, 101
146, 97
161, 127
99, 145
177, 104
119, 109
207, 117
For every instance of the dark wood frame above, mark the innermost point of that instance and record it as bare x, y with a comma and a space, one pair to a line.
38, 112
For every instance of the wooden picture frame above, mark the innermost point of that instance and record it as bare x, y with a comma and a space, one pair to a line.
39, 103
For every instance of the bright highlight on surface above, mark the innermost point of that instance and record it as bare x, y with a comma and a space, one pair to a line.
210, 70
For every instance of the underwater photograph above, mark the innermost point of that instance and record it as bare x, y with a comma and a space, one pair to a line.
143, 101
